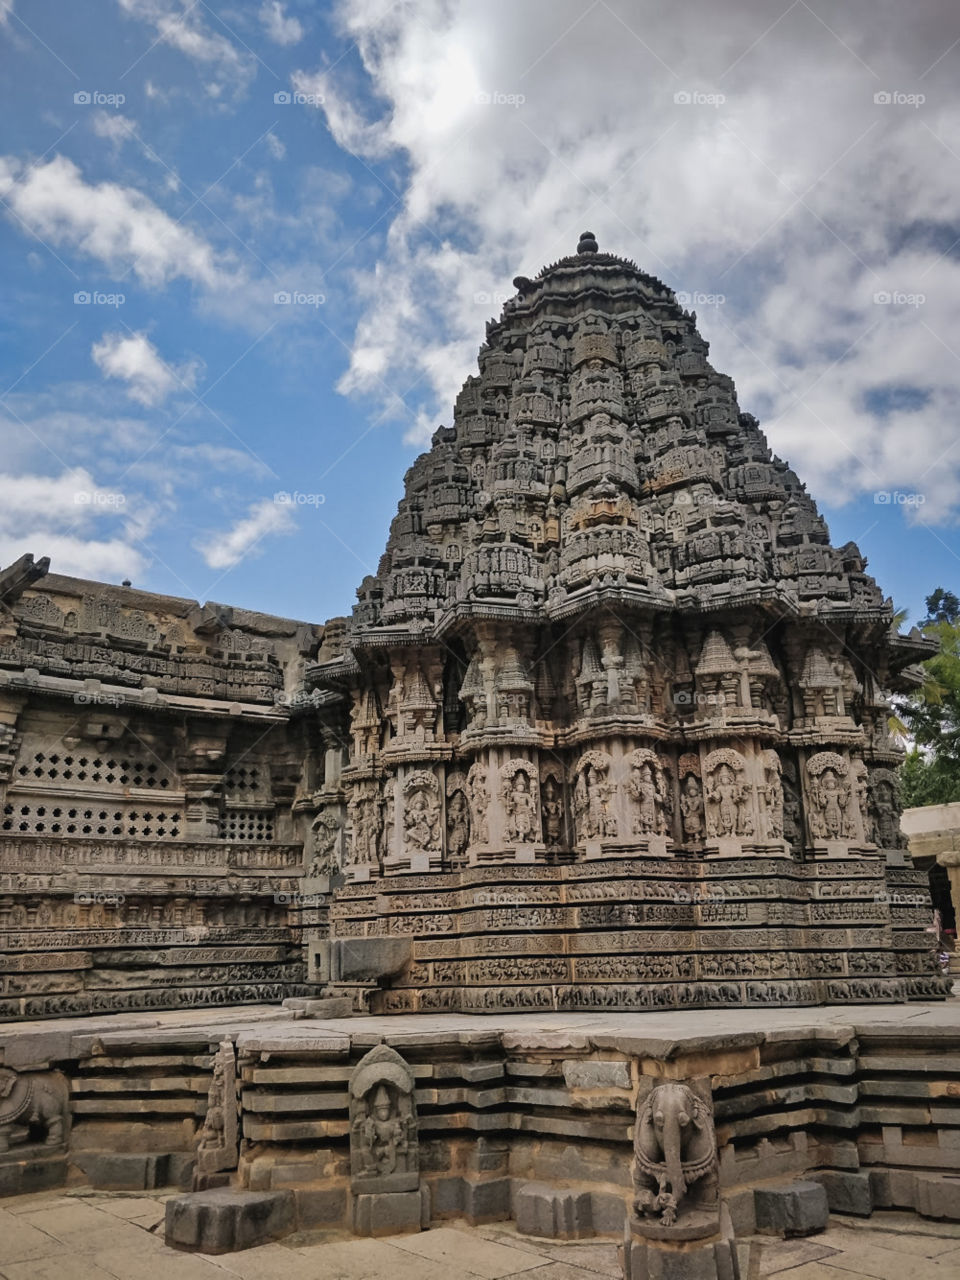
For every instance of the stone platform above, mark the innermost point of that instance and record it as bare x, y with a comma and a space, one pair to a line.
514, 1110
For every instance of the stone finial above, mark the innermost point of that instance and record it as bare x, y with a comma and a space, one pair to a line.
588, 243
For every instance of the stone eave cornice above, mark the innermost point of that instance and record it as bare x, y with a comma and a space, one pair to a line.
904, 651
92, 696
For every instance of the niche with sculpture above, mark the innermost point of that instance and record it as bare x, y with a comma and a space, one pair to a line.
384, 1150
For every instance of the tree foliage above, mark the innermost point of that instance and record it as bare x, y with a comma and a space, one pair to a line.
931, 771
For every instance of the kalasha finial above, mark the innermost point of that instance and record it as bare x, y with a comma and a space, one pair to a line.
588, 243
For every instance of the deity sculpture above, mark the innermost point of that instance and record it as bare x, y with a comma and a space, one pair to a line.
551, 808
458, 824
519, 802
591, 797
691, 808
421, 816
830, 797
728, 814
384, 1153
479, 803
326, 834
648, 790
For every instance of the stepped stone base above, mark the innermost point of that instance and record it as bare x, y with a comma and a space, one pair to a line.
223, 1221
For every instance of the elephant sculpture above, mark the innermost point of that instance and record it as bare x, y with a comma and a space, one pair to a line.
674, 1146
30, 1100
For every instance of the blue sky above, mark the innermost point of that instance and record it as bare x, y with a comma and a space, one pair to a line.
168, 169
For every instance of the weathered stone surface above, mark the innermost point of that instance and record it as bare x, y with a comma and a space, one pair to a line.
115, 1171
542, 1210
799, 1209
223, 1221
387, 1213
847, 1191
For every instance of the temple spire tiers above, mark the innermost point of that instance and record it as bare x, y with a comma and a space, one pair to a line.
612, 685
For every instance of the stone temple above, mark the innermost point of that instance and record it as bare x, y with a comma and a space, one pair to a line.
608, 729
606, 734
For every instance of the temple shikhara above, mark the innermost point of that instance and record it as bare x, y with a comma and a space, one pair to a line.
608, 730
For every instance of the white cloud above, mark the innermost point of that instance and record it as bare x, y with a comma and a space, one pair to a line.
798, 197
117, 225
132, 358
264, 518
6, 9
116, 128
179, 25
56, 516
279, 28
277, 149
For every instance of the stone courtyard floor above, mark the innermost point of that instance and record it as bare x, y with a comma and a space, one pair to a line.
98, 1235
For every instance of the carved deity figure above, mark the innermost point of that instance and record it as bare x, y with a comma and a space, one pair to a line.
726, 795
649, 792
551, 808
366, 816
479, 804
674, 1147
383, 1124
728, 814
421, 820
458, 826
772, 793
521, 808
326, 833
219, 1145
691, 808
830, 797
591, 799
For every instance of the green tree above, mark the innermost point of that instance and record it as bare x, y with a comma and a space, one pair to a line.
931, 771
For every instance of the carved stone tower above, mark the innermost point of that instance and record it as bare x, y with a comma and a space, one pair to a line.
610, 637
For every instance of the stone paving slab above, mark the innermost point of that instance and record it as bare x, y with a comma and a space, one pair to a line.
89, 1235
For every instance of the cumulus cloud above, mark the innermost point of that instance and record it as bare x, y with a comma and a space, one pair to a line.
57, 516
783, 161
6, 9
116, 225
133, 359
226, 549
280, 28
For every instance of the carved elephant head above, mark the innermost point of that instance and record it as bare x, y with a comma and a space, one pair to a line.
674, 1140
